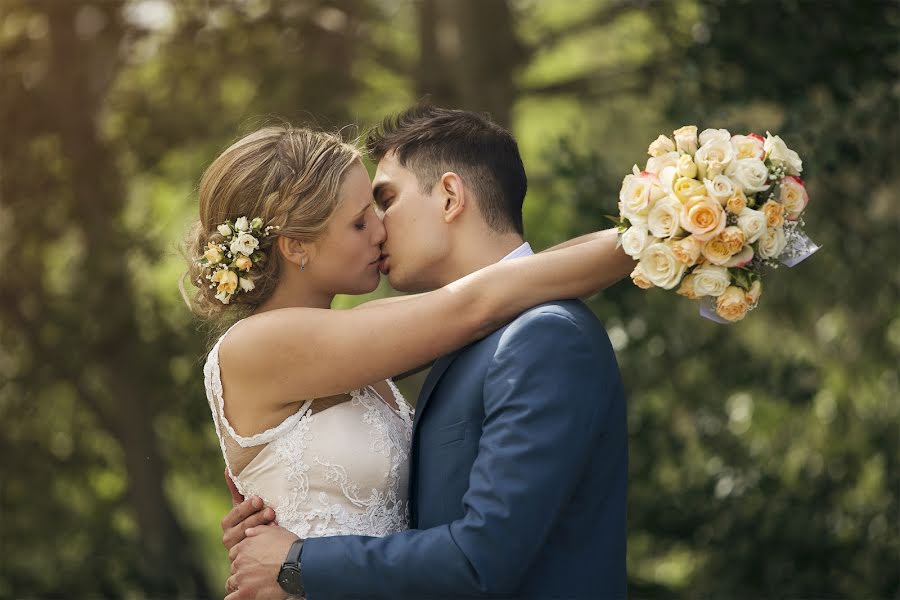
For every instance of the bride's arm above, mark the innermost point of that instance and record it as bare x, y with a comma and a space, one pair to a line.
295, 353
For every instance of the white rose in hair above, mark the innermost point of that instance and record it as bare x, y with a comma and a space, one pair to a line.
713, 158
782, 156
242, 224
246, 284
664, 219
224, 229
634, 240
749, 173
720, 187
710, 280
714, 135
660, 266
244, 243
752, 223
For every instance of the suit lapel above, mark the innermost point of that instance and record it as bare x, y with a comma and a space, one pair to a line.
437, 371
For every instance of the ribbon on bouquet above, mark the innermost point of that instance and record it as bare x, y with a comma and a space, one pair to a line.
798, 247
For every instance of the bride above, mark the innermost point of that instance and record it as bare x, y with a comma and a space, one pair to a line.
301, 396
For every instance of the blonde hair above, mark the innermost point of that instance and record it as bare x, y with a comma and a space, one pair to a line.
290, 178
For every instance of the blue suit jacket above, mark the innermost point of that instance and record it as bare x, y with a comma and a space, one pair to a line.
518, 477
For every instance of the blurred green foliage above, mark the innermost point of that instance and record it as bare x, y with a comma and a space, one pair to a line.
764, 454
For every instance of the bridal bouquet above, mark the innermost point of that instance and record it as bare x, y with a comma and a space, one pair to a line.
709, 214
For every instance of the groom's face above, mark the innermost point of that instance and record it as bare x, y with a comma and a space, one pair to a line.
417, 238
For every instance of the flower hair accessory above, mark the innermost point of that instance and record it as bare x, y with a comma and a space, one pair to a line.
235, 255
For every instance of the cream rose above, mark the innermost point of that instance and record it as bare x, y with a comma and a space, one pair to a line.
772, 244
246, 284
685, 189
721, 187
752, 223
243, 263
686, 166
748, 146
793, 197
634, 240
774, 212
737, 203
227, 280
687, 287
634, 197
242, 224
703, 217
639, 279
664, 219
749, 173
711, 280
656, 164
754, 293
713, 158
734, 237
716, 251
224, 229
213, 253
660, 266
687, 250
714, 135
732, 305
662, 145
686, 139
782, 156
244, 243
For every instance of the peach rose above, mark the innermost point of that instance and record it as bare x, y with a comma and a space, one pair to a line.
794, 197
639, 279
774, 212
734, 237
716, 251
687, 288
243, 263
737, 203
732, 305
687, 250
703, 217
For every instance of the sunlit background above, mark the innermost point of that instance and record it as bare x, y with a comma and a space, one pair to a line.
765, 456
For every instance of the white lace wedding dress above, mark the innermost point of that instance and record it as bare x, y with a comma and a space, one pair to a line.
340, 471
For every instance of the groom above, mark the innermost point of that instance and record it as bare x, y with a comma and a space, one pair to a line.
519, 452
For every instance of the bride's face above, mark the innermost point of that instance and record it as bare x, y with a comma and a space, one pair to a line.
345, 260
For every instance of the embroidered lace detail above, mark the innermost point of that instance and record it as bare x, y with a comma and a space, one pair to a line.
343, 471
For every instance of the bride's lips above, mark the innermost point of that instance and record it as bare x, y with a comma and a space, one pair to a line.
383, 264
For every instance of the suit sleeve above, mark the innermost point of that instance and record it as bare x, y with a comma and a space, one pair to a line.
545, 400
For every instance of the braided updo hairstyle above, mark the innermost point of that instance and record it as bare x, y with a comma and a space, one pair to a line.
290, 178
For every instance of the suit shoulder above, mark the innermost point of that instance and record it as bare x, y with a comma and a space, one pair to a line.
575, 311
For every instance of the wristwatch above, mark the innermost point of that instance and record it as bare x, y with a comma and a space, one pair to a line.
289, 577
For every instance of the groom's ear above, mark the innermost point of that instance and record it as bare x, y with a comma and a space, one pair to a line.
453, 194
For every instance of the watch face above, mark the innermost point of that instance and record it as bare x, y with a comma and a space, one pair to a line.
289, 580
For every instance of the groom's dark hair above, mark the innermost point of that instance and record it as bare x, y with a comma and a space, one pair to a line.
430, 141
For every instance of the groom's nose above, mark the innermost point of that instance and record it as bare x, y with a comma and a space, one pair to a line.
379, 232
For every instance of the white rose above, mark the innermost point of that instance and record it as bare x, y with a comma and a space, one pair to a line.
224, 229
713, 158
660, 146
686, 139
710, 280
223, 297
664, 219
667, 179
660, 266
686, 166
634, 240
246, 284
720, 187
749, 173
244, 243
242, 224
793, 196
772, 244
714, 135
782, 156
752, 223
637, 194
656, 164
748, 146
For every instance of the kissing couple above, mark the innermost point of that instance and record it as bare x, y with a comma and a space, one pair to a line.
509, 477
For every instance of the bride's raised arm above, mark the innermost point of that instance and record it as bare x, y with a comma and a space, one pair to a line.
308, 353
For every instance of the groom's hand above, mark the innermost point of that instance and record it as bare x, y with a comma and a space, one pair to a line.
244, 515
256, 562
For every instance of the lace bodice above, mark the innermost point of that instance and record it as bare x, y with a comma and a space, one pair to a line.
341, 471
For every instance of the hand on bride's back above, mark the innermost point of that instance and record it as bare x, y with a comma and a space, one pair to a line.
245, 513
